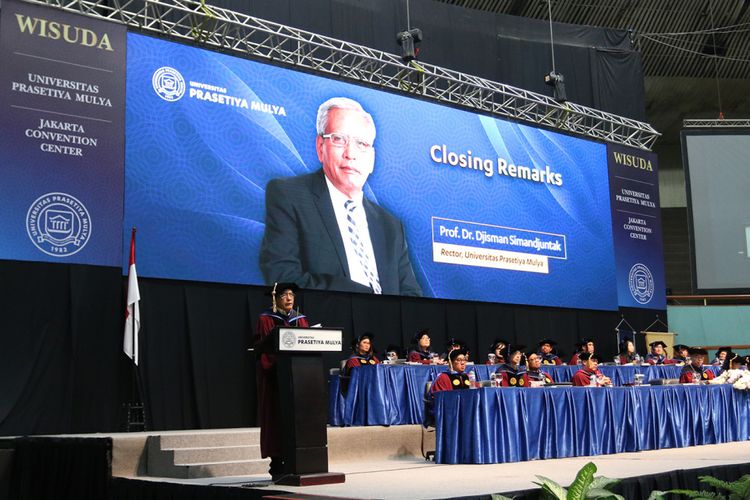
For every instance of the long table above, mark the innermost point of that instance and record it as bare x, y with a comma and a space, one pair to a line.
508, 425
394, 394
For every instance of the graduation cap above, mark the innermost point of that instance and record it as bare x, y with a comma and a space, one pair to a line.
551, 342
656, 343
455, 342
456, 353
280, 288
725, 348
419, 334
588, 355
697, 350
498, 342
366, 335
393, 348
511, 348
679, 347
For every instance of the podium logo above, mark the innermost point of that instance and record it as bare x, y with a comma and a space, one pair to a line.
288, 339
641, 283
168, 84
58, 224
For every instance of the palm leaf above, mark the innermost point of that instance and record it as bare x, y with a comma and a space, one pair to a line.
602, 494
552, 488
577, 490
699, 495
603, 482
717, 483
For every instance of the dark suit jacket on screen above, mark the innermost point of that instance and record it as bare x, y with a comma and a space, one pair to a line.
302, 242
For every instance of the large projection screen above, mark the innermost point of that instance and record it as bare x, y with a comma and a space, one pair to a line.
718, 187
491, 210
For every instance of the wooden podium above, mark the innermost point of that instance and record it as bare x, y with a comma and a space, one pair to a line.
304, 402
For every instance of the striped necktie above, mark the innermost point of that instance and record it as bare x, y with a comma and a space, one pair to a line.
359, 248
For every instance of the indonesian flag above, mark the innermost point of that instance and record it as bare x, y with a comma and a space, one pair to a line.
132, 312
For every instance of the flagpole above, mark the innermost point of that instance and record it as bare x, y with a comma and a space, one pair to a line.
137, 401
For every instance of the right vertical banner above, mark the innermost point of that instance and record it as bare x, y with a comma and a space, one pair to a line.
636, 227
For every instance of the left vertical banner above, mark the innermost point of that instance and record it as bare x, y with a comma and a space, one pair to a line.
62, 111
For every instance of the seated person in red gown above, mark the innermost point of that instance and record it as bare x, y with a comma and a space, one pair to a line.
362, 353
627, 354
695, 371
534, 376
514, 369
281, 313
586, 345
455, 378
496, 352
681, 354
590, 368
422, 352
547, 352
658, 355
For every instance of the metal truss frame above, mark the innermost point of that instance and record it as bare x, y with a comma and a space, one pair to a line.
238, 33
715, 123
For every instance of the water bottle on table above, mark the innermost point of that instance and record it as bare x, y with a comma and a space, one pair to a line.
472, 379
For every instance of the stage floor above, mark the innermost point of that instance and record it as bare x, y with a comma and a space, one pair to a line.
414, 478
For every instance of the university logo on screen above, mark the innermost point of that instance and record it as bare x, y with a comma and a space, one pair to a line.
641, 283
169, 84
58, 224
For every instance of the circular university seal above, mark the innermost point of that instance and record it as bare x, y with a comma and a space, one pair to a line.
58, 224
288, 339
641, 283
168, 83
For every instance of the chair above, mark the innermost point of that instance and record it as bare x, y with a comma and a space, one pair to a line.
343, 377
428, 425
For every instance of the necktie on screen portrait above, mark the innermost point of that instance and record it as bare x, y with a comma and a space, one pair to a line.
364, 258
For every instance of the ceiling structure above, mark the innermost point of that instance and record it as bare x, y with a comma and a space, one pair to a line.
696, 53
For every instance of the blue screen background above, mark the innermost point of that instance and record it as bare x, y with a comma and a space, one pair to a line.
196, 172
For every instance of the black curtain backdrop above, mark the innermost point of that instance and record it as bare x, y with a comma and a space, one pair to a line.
62, 368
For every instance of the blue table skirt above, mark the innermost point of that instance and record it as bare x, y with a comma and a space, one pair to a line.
393, 394
508, 425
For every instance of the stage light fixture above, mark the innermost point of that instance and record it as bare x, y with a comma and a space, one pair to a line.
408, 41
557, 82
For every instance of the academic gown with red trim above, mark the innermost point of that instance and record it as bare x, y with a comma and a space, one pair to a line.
703, 372
268, 383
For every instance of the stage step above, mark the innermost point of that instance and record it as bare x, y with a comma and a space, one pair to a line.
206, 454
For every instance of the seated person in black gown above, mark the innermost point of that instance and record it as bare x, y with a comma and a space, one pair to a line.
681, 354
496, 352
547, 352
586, 345
721, 354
